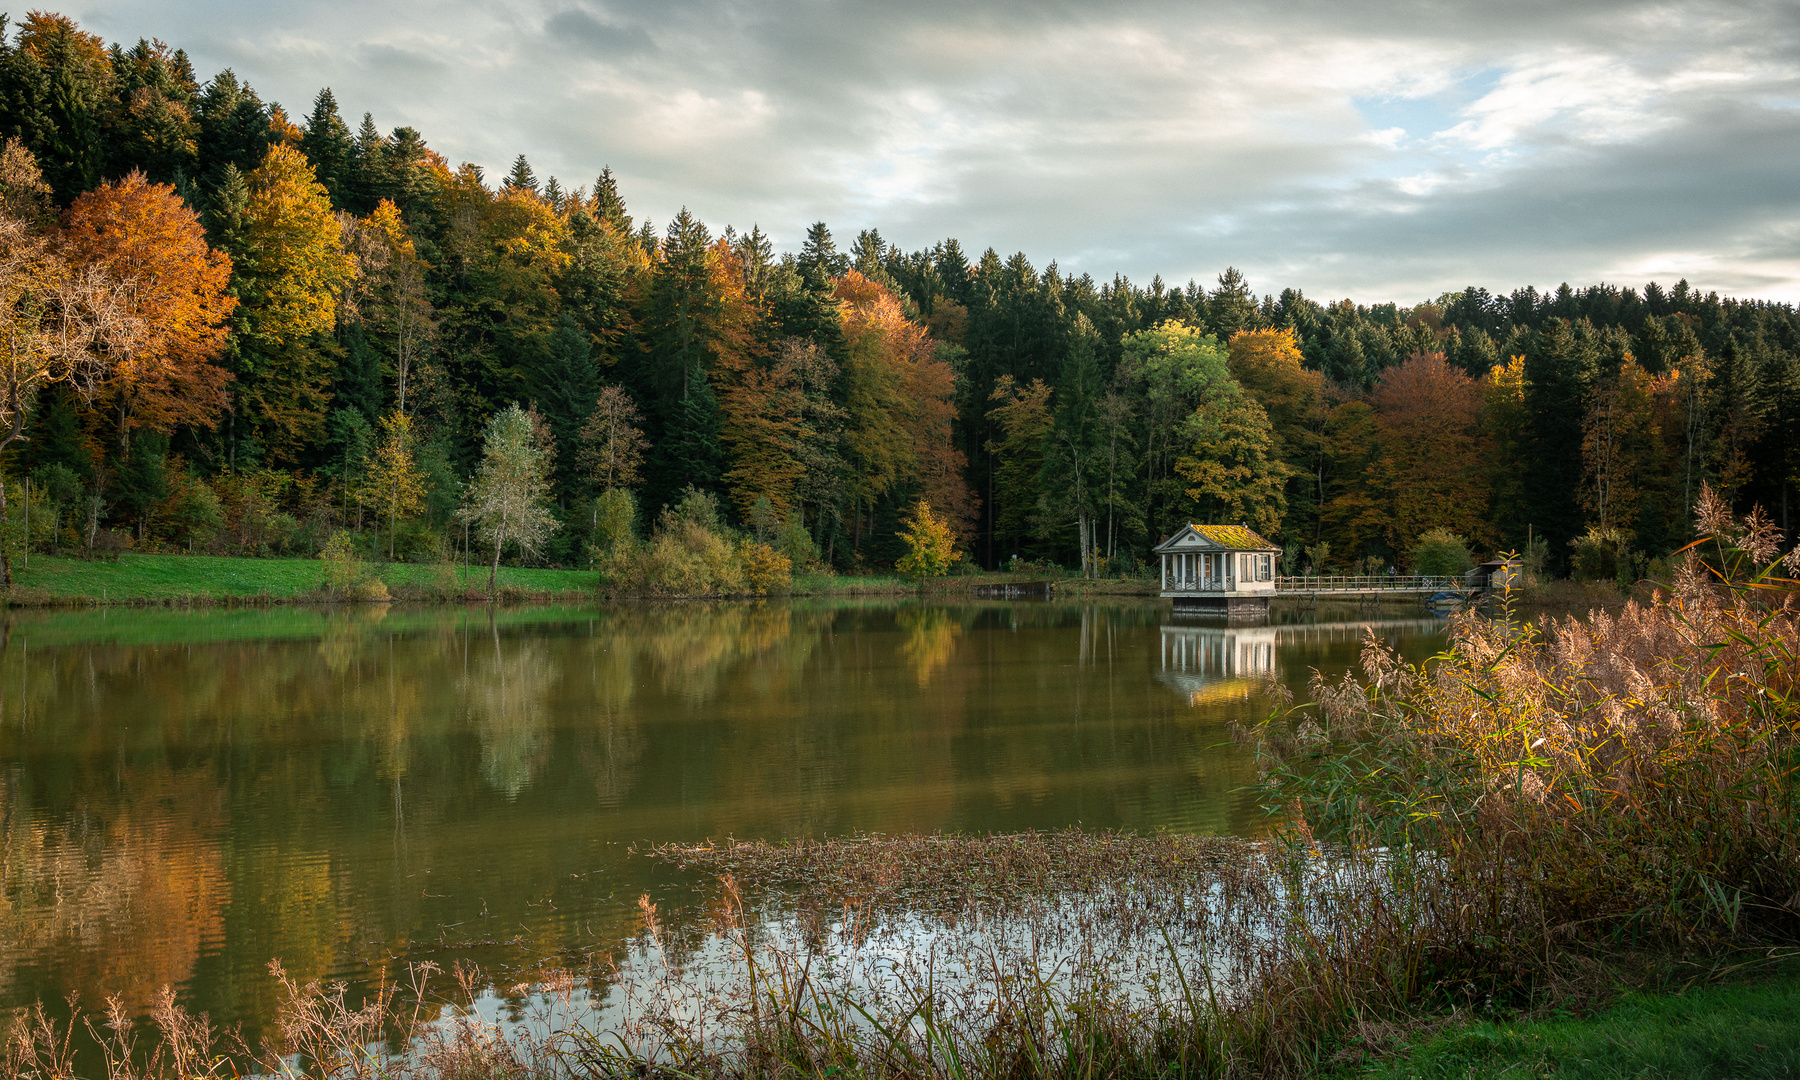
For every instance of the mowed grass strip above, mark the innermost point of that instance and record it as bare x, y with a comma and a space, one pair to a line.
1744, 1032
176, 577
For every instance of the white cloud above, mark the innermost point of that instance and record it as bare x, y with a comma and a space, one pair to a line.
1513, 142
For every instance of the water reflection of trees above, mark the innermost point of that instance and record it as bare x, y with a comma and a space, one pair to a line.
371, 781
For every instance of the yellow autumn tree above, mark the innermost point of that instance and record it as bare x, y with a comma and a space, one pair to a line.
289, 283
389, 294
395, 485
930, 544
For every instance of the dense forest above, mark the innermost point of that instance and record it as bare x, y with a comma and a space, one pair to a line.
232, 330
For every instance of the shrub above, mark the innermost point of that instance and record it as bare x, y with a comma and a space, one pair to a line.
796, 542
614, 528
346, 576
683, 559
193, 510
1441, 553
1603, 555
110, 543
1317, 556
765, 569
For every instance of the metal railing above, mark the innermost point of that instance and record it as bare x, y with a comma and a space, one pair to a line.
1373, 583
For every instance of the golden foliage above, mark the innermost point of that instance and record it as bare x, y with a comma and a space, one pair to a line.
930, 544
301, 266
175, 284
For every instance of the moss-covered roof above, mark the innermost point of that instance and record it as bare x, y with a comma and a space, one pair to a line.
1230, 537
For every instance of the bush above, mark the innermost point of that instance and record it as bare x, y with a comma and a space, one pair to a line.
110, 543
346, 576
1604, 555
193, 511
796, 543
614, 528
765, 569
1441, 553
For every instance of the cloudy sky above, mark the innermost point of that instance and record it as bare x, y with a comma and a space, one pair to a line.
1382, 151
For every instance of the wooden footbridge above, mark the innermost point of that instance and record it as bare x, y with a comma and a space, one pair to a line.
1431, 588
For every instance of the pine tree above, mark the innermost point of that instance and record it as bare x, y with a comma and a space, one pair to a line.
609, 204
564, 384
1072, 453
1230, 307
819, 262
142, 478
1560, 369
520, 177
691, 456
328, 146
357, 382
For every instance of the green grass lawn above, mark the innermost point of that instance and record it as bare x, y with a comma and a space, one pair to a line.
1750, 1030
173, 577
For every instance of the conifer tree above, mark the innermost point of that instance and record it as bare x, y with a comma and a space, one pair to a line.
564, 385
520, 177
328, 145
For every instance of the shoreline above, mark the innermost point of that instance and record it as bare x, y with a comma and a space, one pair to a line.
229, 581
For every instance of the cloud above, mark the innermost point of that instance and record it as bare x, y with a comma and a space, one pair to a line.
1376, 150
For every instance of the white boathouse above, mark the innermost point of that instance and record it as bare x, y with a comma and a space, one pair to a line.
1227, 569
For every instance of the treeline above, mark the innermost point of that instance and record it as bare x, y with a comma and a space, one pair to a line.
233, 331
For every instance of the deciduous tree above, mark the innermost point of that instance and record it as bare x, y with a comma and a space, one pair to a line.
146, 239
508, 501
395, 485
290, 268
612, 442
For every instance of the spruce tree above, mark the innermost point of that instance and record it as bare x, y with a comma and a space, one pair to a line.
609, 204
328, 146
520, 177
564, 384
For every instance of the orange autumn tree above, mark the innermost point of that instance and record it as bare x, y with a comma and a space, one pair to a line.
144, 237
1431, 455
898, 406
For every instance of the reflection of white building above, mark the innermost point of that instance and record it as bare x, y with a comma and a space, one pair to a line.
1217, 663
1221, 662
1223, 568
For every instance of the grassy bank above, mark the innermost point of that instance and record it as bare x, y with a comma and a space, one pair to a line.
213, 579
1709, 1032
203, 579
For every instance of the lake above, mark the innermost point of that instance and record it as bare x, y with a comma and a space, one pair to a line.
186, 795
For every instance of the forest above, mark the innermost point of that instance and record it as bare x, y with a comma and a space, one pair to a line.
233, 330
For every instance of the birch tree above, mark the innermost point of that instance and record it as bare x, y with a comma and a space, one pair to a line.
508, 501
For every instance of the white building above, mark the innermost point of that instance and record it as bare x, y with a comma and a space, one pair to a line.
1223, 568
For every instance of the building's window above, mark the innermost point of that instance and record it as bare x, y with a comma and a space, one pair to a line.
1266, 570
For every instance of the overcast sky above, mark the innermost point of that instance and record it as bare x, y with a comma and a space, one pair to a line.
1376, 150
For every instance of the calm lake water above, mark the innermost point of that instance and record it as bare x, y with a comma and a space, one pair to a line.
186, 795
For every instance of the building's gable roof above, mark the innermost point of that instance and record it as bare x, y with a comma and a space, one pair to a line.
1226, 537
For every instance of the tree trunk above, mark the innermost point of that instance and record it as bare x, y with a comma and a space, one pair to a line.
18, 425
